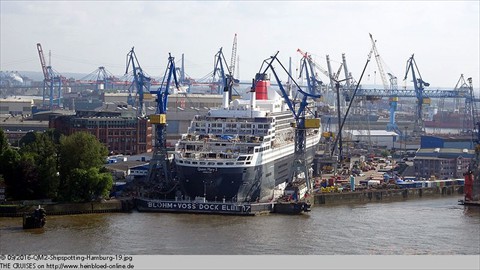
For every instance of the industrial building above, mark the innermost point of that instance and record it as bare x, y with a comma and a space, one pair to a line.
181, 109
442, 163
380, 138
119, 133
443, 157
16, 106
15, 127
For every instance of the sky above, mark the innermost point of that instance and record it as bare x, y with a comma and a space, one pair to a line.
84, 35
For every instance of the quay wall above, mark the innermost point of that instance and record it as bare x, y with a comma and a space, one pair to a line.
379, 195
346, 197
15, 210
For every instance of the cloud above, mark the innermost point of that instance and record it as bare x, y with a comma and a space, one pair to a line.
83, 35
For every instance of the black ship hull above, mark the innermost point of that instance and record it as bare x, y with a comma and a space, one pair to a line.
237, 183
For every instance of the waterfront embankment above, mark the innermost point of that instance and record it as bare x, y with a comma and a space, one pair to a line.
114, 205
382, 195
127, 204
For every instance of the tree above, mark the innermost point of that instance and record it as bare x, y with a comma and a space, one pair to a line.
88, 184
3, 149
3, 142
41, 147
81, 156
31, 172
10, 166
28, 138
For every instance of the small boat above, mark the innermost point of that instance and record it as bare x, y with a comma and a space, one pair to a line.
36, 219
296, 199
291, 208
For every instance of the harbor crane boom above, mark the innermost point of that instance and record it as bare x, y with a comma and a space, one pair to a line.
379, 63
226, 78
142, 82
42, 61
51, 80
338, 139
393, 100
307, 66
301, 122
309, 57
419, 85
160, 170
234, 55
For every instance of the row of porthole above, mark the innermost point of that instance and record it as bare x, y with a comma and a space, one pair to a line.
213, 163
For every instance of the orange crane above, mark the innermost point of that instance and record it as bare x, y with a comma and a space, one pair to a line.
51, 80
42, 61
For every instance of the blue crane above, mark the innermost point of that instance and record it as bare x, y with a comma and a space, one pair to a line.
406, 93
52, 82
469, 120
160, 168
422, 95
307, 66
226, 78
419, 85
299, 113
141, 82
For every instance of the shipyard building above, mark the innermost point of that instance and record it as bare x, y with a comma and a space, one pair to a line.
443, 157
119, 133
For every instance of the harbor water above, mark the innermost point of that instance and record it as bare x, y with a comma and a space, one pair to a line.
433, 226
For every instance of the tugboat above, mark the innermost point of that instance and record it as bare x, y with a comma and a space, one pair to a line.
296, 199
36, 219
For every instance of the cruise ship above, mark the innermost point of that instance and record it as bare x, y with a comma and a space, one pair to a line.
242, 151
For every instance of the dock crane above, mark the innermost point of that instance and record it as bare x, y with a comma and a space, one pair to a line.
51, 82
102, 79
469, 120
419, 85
314, 66
338, 139
302, 124
309, 57
234, 55
379, 63
141, 82
226, 78
307, 68
393, 100
160, 167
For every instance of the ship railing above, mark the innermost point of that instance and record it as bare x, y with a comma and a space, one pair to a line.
214, 154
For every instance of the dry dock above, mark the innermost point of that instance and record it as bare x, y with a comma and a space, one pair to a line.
203, 207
